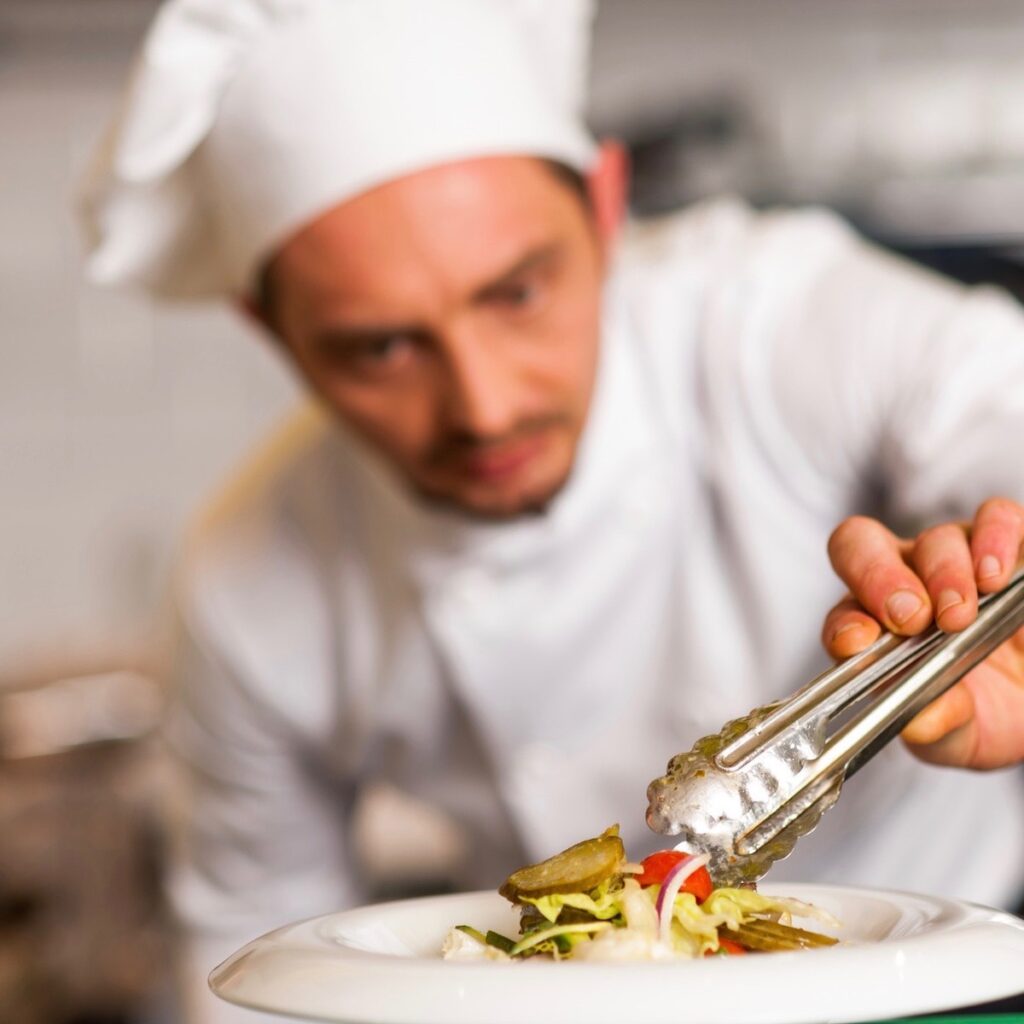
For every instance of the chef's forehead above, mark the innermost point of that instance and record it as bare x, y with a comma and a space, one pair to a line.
267, 280
248, 118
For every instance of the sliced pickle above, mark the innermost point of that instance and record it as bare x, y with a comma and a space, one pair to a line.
770, 936
579, 869
532, 918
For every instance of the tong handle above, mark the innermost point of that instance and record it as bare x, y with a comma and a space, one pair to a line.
828, 694
918, 671
747, 794
1000, 616
876, 666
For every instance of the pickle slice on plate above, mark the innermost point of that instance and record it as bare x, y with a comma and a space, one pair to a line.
579, 869
770, 936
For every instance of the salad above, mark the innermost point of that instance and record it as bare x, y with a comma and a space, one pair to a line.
590, 903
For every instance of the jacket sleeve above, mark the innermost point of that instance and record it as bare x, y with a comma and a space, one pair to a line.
898, 391
258, 837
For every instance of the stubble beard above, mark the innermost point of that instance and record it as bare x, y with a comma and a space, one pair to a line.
530, 506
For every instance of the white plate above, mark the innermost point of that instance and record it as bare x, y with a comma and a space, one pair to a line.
381, 964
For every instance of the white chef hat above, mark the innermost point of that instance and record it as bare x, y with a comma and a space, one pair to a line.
245, 119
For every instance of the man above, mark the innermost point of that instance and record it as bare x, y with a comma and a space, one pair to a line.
563, 502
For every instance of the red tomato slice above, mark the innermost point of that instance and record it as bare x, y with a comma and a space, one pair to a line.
659, 864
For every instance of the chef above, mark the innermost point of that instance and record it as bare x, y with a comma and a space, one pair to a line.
565, 493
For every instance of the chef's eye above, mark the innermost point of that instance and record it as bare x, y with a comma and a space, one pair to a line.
521, 296
376, 356
382, 350
384, 355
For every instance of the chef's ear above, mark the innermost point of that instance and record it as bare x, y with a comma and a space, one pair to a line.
253, 313
608, 185
255, 306
250, 308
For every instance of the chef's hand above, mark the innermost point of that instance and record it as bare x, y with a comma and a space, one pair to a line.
904, 585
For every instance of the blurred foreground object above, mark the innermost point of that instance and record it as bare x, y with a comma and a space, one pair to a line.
84, 936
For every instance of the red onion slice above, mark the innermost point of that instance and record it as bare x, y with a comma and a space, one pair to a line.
670, 889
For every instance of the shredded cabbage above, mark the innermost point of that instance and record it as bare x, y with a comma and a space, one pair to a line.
460, 945
601, 903
539, 937
735, 906
695, 926
624, 944
638, 909
694, 931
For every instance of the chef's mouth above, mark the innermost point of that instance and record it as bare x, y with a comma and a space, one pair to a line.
503, 460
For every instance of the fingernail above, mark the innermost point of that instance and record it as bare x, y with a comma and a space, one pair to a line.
903, 606
988, 567
947, 599
836, 634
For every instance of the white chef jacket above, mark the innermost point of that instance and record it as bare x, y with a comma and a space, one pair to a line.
762, 376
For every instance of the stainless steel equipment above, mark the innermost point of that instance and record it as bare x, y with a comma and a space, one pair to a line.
85, 934
747, 794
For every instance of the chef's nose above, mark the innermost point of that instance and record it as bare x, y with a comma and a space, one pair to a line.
482, 385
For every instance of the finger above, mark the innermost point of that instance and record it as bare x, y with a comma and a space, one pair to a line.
953, 710
942, 558
957, 749
997, 542
869, 559
945, 732
1016, 644
976, 724
848, 630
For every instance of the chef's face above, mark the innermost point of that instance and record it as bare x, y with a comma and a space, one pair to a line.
451, 317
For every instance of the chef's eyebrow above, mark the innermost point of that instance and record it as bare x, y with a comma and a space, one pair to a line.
342, 336
532, 260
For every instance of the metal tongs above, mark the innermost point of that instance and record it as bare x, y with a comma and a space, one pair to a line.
747, 794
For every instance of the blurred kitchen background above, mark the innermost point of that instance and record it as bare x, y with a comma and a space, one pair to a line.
116, 417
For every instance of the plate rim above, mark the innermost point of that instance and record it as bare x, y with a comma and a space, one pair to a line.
298, 937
